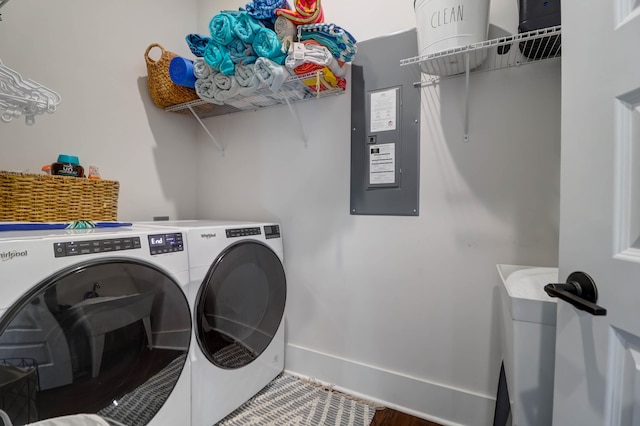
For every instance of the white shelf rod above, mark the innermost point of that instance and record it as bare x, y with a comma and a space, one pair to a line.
466, 98
296, 117
206, 130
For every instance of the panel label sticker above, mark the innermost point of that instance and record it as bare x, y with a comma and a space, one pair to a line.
383, 112
382, 164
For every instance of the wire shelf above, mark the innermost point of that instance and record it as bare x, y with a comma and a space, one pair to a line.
293, 90
504, 52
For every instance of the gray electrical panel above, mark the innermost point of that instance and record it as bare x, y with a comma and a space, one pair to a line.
385, 127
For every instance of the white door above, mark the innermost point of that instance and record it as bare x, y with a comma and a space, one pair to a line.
597, 371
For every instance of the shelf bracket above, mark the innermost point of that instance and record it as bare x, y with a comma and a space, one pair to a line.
466, 98
206, 130
296, 117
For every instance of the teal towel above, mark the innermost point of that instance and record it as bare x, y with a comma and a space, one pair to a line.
218, 58
221, 27
241, 52
246, 27
268, 45
197, 43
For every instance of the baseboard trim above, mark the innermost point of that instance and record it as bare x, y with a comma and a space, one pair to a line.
430, 401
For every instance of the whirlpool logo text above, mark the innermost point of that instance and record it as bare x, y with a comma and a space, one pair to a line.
10, 255
207, 236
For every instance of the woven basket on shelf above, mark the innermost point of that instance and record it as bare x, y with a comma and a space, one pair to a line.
28, 197
164, 92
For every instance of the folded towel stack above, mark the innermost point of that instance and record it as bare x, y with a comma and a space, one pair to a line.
339, 41
252, 53
323, 80
316, 54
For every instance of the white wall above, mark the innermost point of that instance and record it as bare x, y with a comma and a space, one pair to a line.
401, 309
92, 54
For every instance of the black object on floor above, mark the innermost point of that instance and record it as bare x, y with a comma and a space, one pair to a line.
503, 407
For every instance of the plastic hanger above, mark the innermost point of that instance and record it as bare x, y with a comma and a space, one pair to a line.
19, 97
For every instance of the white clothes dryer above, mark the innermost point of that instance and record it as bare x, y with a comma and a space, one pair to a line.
95, 321
238, 291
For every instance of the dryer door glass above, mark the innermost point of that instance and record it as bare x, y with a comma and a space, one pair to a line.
105, 337
240, 304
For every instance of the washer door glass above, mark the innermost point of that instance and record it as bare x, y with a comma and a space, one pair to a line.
106, 337
240, 304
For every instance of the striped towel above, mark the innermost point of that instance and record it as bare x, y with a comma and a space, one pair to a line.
323, 80
339, 41
306, 12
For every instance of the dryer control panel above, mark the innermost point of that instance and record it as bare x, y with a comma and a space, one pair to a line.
242, 232
165, 243
272, 231
75, 248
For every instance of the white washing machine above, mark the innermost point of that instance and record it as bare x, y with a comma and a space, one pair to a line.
238, 291
95, 321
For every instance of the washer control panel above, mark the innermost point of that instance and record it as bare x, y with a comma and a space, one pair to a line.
243, 232
75, 248
165, 243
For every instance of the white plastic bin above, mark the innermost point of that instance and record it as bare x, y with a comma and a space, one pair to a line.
446, 24
528, 340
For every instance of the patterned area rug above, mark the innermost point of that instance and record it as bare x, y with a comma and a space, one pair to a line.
291, 401
233, 356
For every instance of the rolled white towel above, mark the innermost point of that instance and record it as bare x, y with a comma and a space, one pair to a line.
201, 69
270, 73
226, 87
247, 79
286, 32
206, 89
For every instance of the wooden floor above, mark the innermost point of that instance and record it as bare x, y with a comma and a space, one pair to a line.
389, 417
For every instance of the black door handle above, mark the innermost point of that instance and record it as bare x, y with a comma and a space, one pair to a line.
580, 290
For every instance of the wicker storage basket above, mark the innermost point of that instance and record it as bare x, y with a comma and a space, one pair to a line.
164, 92
42, 198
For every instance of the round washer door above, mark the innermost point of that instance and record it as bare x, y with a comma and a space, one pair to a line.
240, 304
108, 337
